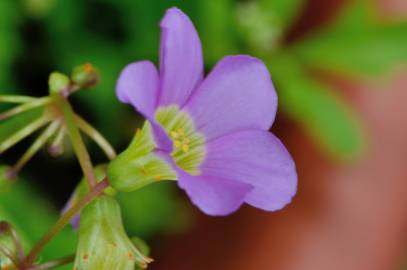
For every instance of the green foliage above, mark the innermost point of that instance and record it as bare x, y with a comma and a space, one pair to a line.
285, 10
152, 209
356, 43
322, 113
9, 40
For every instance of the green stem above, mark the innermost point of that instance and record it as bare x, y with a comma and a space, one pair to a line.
39, 142
24, 132
65, 218
55, 263
25, 107
96, 136
77, 142
16, 99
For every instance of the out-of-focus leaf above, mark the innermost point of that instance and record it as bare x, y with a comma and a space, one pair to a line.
314, 105
32, 215
216, 29
152, 210
38, 8
9, 39
356, 44
284, 10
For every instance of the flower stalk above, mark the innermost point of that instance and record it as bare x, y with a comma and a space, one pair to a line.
24, 132
76, 140
25, 107
96, 137
36, 146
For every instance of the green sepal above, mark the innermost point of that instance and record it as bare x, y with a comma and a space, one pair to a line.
139, 165
103, 242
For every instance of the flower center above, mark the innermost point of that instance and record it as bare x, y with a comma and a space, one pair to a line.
189, 145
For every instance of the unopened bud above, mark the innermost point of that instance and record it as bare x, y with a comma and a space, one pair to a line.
58, 83
103, 242
85, 76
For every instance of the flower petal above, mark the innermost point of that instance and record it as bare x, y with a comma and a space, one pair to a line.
238, 94
181, 67
257, 158
138, 85
215, 196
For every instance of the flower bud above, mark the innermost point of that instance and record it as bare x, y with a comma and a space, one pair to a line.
103, 242
58, 83
139, 165
85, 76
6, 177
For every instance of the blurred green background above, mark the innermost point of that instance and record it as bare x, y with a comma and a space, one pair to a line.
41, 36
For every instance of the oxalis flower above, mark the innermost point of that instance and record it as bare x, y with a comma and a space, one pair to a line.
210, 134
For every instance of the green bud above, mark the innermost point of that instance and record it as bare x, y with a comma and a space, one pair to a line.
103, 242
6, 178
58, 83
85, 76
138, 165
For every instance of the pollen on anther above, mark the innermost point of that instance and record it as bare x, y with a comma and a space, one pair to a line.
157, 177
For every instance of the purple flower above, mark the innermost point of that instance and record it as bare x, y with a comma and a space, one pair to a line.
212, 131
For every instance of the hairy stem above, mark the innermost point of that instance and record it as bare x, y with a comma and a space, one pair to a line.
77, 142
96, 136
55, 263
65, 218
24, 132
25, 107
39, 142
16, 99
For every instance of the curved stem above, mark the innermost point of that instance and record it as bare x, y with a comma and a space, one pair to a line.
65, 218
25, 107
77, 142
96, 136
39, 142
16, 99
55, 263
24, 132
